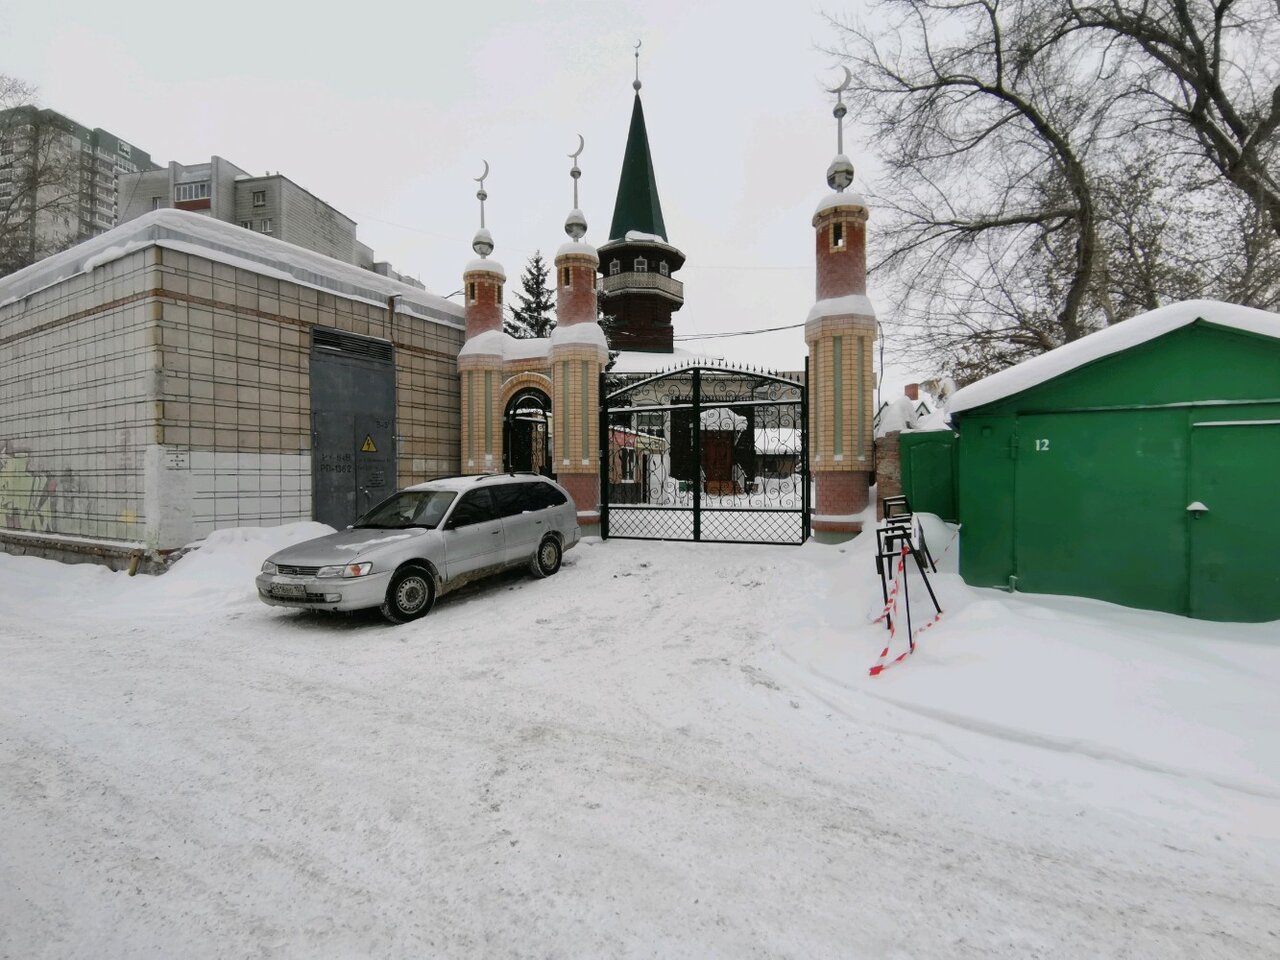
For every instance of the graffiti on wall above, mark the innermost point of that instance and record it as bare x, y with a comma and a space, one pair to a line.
26, 495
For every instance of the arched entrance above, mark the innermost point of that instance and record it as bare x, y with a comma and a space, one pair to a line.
526, 432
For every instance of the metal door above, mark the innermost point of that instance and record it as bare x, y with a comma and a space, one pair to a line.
353, 402
1098, 506
473, 540
523, 523
1234, 573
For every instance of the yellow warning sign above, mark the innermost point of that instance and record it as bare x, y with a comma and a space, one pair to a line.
368, 446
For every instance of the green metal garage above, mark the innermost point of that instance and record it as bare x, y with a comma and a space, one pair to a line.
1139, 465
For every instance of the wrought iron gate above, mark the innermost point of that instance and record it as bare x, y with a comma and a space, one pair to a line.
712, 453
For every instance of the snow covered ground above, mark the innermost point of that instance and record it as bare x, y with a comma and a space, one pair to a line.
667, 750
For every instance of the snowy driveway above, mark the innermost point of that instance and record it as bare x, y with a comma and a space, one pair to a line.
628, 759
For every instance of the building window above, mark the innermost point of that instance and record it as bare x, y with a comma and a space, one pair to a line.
191, 191
664, 269
615, 268
157, 203
566, 277
642, 265
247, 224
499, 296
266, 225
471, 291
259, 198
837, 235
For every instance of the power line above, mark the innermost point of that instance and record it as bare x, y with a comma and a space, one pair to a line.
739, 333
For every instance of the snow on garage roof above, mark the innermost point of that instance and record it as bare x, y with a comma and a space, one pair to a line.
1104, 343
229, 244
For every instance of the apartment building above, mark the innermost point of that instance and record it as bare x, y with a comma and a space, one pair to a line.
272, 204
59, 182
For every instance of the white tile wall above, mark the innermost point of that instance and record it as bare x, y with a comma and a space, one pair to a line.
248, 489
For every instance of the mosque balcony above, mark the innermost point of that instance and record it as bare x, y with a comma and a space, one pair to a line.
646, 282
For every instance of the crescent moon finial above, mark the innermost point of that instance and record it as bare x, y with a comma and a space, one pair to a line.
481, 179
844, 85
636, 83
581, 145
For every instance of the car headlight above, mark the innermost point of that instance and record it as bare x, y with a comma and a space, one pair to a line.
346, 572
269, 567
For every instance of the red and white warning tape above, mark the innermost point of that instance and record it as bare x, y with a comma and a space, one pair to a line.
891, 607
893, 594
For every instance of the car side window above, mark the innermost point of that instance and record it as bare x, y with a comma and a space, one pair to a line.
475, 506
510, 498
531, 497
551, 496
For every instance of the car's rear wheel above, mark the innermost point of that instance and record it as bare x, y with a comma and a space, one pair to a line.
410, 594
547, 560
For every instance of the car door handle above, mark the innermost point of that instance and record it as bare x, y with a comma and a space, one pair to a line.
495, 533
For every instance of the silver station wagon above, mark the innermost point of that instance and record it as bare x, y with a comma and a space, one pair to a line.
425, 541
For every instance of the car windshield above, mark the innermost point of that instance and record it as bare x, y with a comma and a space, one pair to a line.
410, 508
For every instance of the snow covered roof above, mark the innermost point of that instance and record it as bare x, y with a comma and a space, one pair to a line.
576, 248
499, 343
846, 199
235, 246
1104, 343
722, 418
857, 304
485, 265
580, 333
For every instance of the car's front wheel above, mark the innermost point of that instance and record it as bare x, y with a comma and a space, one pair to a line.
547, 560
410, 594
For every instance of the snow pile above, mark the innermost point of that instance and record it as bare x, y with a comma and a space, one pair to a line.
777, 440
668, 749
897, 416
224, 561
1150, 691
1111, 340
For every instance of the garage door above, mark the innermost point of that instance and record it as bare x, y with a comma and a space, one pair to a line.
1100, 506
1235, 574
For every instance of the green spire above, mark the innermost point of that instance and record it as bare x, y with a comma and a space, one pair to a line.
637, 206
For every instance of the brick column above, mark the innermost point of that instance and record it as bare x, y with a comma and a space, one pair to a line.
480, 368
579, 352
841, 333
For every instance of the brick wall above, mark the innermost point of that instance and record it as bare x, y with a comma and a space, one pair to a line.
841, 270
888, 469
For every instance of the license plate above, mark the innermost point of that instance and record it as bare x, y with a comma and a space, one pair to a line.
288, 590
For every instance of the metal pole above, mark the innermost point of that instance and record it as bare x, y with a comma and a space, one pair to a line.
804, 452
604, 461
697, 454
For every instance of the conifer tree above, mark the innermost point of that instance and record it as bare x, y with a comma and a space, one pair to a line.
535, 315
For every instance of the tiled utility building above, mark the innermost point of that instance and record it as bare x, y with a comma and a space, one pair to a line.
179, 374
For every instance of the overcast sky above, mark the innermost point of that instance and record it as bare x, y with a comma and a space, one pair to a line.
387, 111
